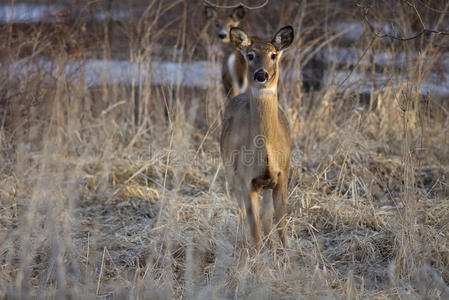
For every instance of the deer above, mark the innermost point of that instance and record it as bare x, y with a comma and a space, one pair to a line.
255, 141
234, 65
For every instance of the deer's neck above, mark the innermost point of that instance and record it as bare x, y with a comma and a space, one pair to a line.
264, 112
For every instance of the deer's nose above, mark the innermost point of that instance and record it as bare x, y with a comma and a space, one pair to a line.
222, 35
261, 76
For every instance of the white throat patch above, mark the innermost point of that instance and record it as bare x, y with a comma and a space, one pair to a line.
263, 92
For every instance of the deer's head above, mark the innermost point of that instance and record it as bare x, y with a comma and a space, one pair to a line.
223, 20
262, 57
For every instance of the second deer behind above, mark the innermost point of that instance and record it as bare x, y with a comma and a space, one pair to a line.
234, 66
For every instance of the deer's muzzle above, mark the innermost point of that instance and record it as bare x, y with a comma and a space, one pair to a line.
261, 76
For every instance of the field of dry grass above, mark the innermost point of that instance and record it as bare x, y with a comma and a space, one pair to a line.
113, 189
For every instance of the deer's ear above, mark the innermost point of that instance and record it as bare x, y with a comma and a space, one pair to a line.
283, 38
238, 13
239, 38
209, 12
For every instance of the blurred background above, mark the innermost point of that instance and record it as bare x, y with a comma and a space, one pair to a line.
110, 177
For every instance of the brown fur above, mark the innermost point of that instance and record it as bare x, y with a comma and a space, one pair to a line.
256, 142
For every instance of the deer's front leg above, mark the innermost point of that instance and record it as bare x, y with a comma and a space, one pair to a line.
252, 213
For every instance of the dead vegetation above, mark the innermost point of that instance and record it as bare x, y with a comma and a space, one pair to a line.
116, 191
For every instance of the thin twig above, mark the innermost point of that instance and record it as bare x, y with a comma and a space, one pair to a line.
379, 36
236, 5
417, 14
411, 37
101, 272
442, 11
386, 35
358, 62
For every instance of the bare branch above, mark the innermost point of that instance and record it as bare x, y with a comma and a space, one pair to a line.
235, 5
386, 35
358, 62
426, 5
417, 14
410, 37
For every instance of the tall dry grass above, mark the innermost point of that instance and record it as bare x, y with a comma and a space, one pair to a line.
116, 191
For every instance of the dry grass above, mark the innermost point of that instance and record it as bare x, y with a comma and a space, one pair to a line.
116, 191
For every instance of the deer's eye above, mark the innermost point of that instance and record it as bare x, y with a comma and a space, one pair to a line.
250, 56
217, 25
273, 56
